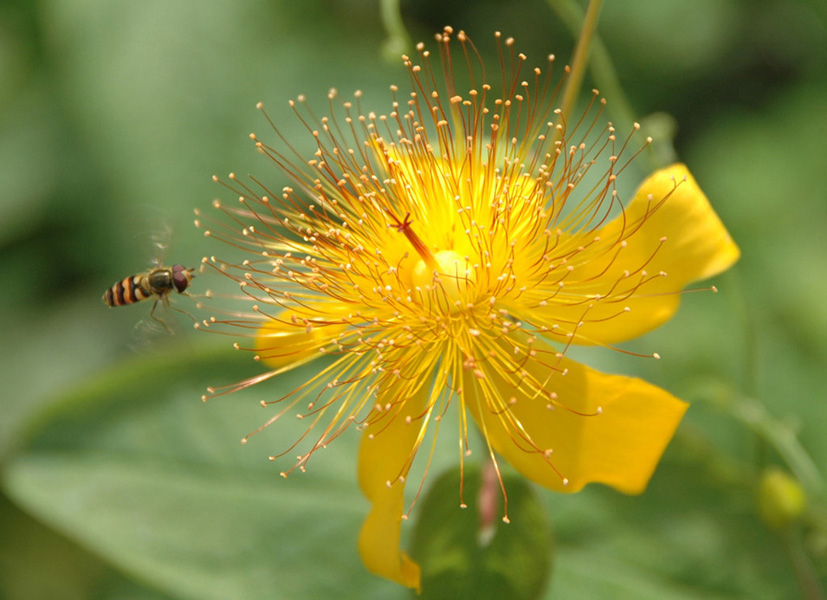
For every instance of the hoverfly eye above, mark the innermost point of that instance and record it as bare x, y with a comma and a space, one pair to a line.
180, 277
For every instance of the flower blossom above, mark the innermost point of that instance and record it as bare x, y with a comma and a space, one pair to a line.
446, 255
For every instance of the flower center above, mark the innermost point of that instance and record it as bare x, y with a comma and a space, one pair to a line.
453, 275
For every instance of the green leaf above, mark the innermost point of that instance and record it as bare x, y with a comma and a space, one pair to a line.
38, 563
136, 469
462, 557
694, 533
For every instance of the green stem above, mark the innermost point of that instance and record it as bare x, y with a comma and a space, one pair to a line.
580, 59
660, 126
397, 41
602, 67
772, 432
783, 439
731, 472
805, 572
769, 430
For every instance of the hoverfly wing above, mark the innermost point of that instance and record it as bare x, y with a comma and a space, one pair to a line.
160, 238
155, 284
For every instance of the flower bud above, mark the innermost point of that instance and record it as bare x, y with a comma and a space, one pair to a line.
781, 499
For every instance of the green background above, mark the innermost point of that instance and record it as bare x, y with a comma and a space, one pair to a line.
117, 482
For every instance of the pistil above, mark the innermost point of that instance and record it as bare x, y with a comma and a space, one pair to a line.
404, 226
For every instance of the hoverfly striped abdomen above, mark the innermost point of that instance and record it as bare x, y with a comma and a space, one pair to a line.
128, 291
157, 283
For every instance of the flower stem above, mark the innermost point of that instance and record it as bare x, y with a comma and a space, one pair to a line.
580, 58
804, 570
661, 126
397, 41
783, 439
749, 409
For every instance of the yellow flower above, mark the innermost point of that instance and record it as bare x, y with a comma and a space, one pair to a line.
446, 255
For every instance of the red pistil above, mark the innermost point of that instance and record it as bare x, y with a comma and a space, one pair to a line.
404, 226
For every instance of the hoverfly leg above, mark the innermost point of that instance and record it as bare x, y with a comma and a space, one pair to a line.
181, 310
159, 319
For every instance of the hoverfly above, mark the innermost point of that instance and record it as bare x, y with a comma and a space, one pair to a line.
156, 283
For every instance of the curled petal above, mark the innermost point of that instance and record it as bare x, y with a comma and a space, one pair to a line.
563, 425
387, 448
628, 279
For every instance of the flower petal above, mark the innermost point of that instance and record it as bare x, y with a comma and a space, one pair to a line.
385, 453
563, 425
281, 343
628, 279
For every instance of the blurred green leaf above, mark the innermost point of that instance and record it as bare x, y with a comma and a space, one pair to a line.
694, 533
134, 468
38, 563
